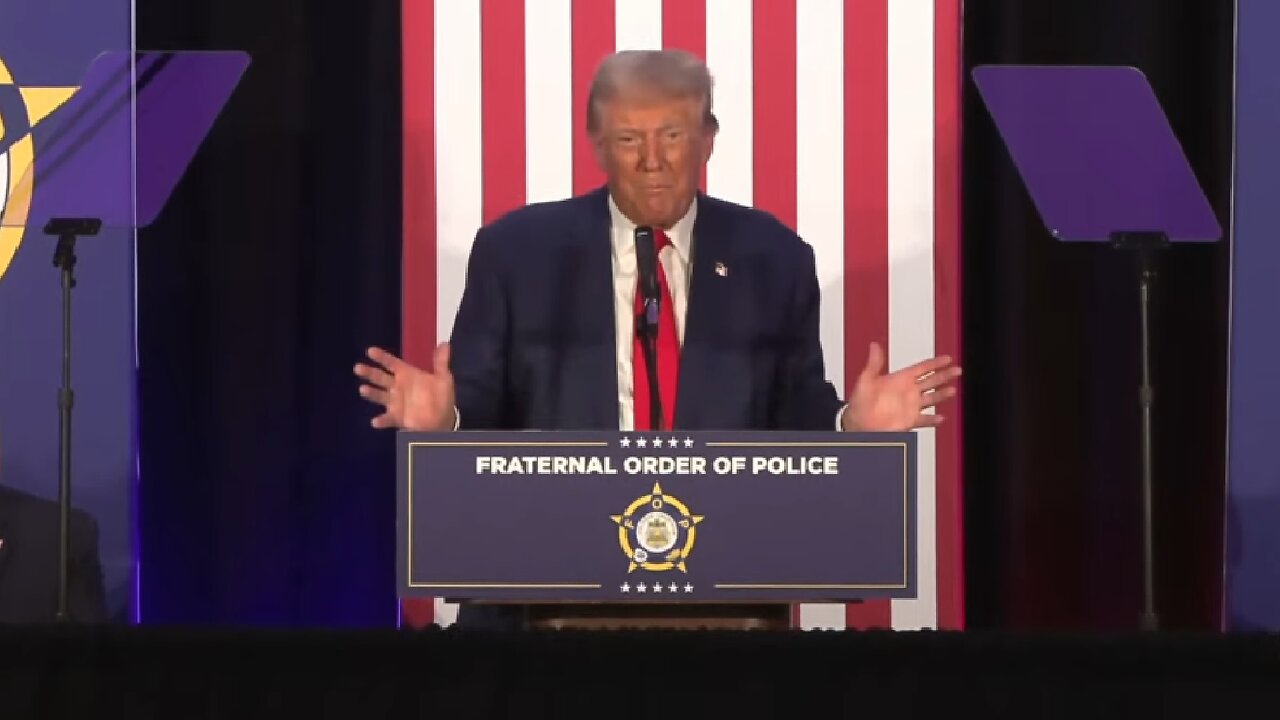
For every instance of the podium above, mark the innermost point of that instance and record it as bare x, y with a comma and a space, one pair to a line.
103, 155
1103, 166
692, 530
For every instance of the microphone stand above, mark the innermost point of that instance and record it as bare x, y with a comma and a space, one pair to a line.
647, 327
647, 318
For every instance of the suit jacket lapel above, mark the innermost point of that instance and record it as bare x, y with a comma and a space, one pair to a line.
600, 373
707, 305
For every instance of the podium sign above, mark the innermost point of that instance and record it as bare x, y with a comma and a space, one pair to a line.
657, 517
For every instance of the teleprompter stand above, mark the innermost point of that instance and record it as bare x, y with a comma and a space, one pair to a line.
1102, 165
64, 258
1144, 247
109, 157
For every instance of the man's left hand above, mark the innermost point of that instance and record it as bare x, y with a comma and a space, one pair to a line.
895, 402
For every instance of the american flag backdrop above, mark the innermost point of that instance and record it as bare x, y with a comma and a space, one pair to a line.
841, 117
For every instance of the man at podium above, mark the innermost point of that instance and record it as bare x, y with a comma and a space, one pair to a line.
563, 325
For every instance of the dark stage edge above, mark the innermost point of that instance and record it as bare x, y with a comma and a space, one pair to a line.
153, 672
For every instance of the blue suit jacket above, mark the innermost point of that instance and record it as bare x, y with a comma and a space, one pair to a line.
533, 344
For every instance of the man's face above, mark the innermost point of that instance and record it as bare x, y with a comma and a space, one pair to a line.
653, 150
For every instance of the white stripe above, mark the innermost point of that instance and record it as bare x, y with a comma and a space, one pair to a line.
459, 183
729, 57
820, 196
911, 318
9, 241
445, 613
4, 182
549, 118
638, 24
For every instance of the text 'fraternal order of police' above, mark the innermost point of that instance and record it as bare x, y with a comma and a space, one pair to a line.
658, 465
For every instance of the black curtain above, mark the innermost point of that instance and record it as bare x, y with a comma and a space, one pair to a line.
265, 496
1051, 340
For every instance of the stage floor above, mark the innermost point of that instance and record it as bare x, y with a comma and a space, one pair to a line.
223, 673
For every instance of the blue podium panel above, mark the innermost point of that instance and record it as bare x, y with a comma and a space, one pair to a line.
657, 517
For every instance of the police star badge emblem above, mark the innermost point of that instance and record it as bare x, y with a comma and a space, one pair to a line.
657, 532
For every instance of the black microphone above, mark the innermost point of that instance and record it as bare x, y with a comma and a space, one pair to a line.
647, 319
647, 264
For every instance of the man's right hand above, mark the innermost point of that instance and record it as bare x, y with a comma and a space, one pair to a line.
412, 398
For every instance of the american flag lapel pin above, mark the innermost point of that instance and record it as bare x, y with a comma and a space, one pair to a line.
721, 270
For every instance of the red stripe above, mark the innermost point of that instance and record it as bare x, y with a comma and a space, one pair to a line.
773, 30
593, 38
502, 106
418, 312
774, 114
946, 264
684, 27
866, 210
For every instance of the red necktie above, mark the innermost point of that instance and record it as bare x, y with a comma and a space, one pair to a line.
668, 352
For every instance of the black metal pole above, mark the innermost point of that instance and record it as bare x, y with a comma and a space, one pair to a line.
1145, 245
65, 259
1146, 398
648, 340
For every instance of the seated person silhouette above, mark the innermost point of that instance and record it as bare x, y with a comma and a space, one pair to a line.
29, 562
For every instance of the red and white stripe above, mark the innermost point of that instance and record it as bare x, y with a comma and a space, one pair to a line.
840, 117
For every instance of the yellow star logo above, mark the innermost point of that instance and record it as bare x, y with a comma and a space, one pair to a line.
21, 109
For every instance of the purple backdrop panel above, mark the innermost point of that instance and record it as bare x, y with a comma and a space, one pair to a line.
51, 43
657, 517
1252, 580
89, 147
1096, 151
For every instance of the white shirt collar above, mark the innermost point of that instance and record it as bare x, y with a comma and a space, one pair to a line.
681, 233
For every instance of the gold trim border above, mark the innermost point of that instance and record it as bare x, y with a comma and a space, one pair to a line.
792, 586
509, 586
